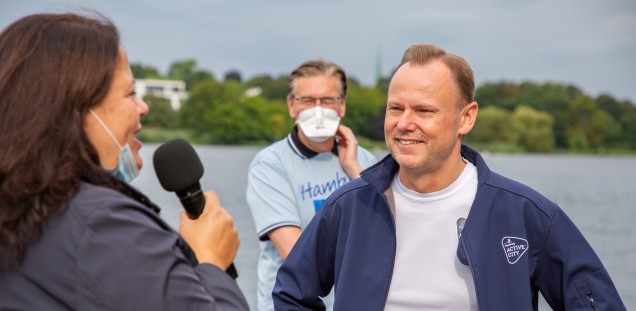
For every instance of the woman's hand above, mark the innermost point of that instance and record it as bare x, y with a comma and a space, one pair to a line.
212, 236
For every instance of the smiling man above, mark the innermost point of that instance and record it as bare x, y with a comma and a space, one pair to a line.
430, 227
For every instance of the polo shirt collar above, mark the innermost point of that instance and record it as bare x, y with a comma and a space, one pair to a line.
300, 149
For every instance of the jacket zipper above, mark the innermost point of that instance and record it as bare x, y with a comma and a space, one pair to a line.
592, 302
386, 293
470, 266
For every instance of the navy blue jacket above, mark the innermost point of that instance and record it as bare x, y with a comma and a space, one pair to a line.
515, 241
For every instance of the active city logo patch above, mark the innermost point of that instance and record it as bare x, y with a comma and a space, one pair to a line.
514, 248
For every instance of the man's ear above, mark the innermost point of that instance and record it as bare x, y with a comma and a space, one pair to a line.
290, 107
343, 108
468, 115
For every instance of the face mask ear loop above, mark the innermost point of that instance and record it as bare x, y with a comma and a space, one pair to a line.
105, 128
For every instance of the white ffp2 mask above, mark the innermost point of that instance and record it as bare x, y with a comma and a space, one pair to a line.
318, 123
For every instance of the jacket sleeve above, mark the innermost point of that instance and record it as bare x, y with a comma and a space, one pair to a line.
570, 275
128, 260
221, 287
307, 272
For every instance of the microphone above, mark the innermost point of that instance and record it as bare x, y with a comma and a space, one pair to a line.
179, 170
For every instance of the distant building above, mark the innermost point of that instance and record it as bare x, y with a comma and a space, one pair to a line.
253, 92
172, 90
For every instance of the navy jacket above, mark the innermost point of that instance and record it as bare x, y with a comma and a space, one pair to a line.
515, 241
107, 251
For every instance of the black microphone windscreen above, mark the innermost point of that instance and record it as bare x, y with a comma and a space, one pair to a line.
177, 165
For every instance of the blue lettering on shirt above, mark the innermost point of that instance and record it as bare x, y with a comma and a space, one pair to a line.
304, 190
318, 204
310, 191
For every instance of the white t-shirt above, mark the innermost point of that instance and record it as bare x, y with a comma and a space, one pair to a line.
427, 274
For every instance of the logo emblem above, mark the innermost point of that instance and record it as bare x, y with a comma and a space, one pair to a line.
514, 248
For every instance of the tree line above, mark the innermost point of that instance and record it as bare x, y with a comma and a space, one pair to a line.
526, 117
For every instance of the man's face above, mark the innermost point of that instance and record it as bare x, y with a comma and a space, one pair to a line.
422, 126
315, 87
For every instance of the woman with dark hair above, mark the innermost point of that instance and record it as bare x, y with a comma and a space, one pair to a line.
73, 233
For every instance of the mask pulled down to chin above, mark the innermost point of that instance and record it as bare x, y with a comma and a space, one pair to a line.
318, 123
127, 168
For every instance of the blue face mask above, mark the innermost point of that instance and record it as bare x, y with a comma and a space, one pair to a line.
127, 168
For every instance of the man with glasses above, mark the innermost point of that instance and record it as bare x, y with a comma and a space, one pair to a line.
289, 180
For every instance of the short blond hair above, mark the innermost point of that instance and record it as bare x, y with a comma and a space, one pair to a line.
420, 54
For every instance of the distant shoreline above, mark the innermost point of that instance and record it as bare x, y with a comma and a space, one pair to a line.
158, 136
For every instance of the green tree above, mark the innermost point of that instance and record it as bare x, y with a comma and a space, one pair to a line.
554, 99
618, 110
493, 125
502, 95
141, 71
364, 107
233, 75
577, 140
233, 124
221, 113
629, 129
382, 84
160, 114
200, 112
584, 116
271, 89
250, 119
615, 108
548, 97
612, 128
270, 119
187, 71
534, 129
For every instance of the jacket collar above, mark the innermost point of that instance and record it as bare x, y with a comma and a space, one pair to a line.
135, 194
380, 175
300, 149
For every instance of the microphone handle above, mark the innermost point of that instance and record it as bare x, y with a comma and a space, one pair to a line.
231, 270
193, 201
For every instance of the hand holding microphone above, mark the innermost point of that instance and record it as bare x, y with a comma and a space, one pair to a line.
208, 228
212, 236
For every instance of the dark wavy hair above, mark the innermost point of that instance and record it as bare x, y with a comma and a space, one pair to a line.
53, 68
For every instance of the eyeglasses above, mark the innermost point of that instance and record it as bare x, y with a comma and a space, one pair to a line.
329, 101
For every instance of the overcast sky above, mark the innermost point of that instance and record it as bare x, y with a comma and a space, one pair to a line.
588, 43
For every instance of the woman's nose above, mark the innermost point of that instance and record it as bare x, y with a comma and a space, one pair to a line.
142, 107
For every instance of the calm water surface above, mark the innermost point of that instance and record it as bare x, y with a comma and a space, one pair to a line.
597, 192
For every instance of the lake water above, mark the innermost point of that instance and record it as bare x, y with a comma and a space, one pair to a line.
597, 192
